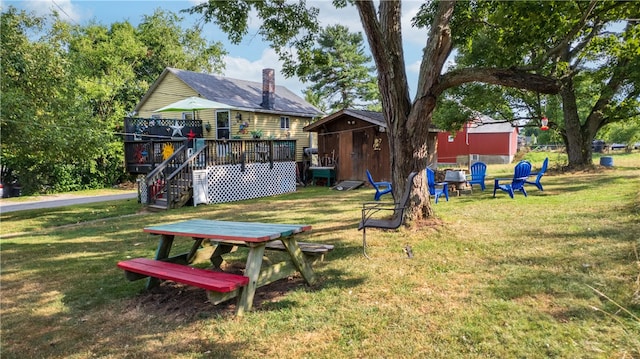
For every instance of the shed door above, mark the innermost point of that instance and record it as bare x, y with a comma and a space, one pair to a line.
359, 155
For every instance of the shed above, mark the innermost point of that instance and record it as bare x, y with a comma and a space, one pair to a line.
357, 141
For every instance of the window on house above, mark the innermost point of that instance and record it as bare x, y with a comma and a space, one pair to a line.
284, 123
450, 139
222, 125
187, 116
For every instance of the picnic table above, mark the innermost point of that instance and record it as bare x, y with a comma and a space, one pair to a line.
211, 240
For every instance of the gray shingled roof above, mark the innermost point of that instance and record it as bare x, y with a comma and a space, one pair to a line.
373, 117
246, 95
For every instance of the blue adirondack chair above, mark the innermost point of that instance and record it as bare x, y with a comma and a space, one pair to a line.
520, 174
433, 186
381, 187
478, 172
539, 175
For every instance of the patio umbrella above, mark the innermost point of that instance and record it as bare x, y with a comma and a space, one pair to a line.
193, 104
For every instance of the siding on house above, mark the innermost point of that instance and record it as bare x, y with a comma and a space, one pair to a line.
169, 90
244, 98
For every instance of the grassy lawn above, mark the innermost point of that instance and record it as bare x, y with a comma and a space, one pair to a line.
556, 274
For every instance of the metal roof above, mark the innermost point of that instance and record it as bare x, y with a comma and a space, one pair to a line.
244, 94
240, 94
486, 124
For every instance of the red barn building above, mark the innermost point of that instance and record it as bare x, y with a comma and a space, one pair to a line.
483, 140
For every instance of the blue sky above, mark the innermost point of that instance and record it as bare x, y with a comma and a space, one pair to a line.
244, 61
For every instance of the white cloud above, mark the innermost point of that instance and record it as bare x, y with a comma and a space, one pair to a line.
329, 15
244, 69
412, 36
65, 8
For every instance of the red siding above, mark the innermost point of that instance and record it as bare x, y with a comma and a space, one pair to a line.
448, 151
489, 143
464, 144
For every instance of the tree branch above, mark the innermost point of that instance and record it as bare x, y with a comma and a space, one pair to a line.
559, 49
515, 78
437, 51
385, 42
596, 116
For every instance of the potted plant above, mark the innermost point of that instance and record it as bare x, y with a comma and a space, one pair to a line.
256, 134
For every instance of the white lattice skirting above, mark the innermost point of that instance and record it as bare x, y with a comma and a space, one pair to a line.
227, 183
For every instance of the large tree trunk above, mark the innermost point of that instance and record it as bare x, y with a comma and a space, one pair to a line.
408, 124
577, 139
385, 40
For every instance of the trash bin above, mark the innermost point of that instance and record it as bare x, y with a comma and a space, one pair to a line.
606, 161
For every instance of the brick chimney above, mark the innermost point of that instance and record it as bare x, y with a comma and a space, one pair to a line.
268, 88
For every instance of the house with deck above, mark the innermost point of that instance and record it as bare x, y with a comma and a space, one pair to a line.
251, 146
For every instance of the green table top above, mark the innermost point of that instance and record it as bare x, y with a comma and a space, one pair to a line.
225, 230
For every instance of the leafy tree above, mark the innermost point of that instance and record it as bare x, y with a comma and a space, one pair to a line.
627, 132
66, 89
289, 25
338, 70
168, 44
408, 121
104, 69
587, 48
45, 126
315, 99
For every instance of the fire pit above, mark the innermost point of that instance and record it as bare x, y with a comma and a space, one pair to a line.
456, 179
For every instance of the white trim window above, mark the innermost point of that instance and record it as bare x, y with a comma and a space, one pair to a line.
284, 123
187, 116
223, 124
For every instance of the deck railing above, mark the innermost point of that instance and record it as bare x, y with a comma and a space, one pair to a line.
171, 180
222, 152
142, 157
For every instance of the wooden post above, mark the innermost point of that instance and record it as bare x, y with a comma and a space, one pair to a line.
252, 270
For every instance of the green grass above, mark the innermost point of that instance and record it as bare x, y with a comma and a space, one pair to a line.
542, 276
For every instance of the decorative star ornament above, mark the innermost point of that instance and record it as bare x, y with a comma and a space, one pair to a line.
191, 135
177, 129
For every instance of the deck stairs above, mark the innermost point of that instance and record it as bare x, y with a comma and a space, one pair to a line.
170, 184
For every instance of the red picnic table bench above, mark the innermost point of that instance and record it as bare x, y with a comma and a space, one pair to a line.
222, 237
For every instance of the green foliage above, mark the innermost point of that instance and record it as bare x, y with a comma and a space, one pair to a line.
167, 44
583, 46
41, 111
287, 25
67, 88
338, 70
627, 132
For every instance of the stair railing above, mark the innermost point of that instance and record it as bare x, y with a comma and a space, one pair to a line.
157, 181
172, 178
180, 181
